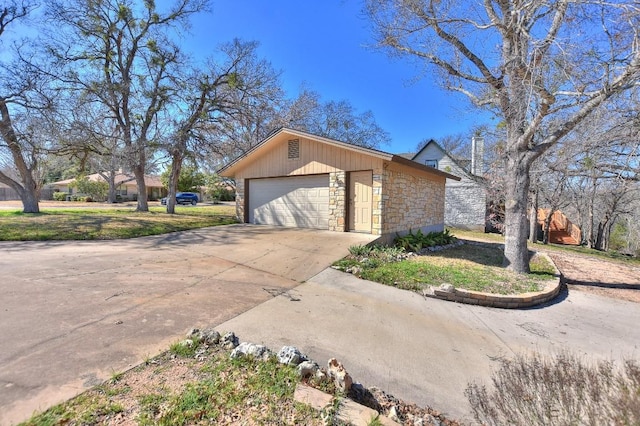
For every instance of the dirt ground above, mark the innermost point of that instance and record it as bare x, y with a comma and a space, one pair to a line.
608, 278
599, 276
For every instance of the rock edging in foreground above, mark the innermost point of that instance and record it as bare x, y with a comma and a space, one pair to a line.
357, 405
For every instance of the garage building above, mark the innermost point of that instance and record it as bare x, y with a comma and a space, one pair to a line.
297, 179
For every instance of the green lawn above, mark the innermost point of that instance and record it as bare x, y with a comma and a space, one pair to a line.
89, 223
469, 267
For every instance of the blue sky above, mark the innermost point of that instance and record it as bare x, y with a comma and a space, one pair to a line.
323, 46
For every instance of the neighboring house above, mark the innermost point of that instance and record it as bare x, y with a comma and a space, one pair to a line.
466, 198
126, 187
297, 179
561, 229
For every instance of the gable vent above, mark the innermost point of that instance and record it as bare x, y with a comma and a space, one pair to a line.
294, 149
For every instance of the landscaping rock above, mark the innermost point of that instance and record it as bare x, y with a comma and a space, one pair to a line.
250, 349
229, 340
393, 414
308, 369
448, 288
340, 377
355, 270
291, 355
193, 333
209, 336
434, 421
415, 421
428, 292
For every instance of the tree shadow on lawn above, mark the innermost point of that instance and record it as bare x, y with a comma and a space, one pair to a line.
486, 254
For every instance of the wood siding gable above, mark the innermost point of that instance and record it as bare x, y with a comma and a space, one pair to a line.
314, 158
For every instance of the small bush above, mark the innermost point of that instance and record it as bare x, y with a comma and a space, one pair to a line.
366, 257
60, 196
418, 241
224, 194
185, 348
534, 390
360, 250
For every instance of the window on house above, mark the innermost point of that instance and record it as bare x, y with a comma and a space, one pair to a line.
294, 149
431, 163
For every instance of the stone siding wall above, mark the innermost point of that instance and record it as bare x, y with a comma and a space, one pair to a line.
411, 202
465, 206
240, 200
378, 202
465, 200
337, 201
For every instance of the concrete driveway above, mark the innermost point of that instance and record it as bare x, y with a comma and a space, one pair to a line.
74, 313
427, 350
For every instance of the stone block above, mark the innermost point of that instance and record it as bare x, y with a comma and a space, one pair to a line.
356, 414
311, 396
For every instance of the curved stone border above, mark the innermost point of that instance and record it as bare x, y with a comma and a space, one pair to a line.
511, 301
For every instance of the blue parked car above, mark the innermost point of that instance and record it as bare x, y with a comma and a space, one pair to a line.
184, 198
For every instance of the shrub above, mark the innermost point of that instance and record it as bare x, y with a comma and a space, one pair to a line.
223, 194
95, 189
418, 241
359, 250
60, 196
367, 257
534, 390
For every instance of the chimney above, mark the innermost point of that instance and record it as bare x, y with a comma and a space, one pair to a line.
477, 155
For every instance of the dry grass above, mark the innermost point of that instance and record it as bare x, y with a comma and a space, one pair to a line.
563, 390
171, 389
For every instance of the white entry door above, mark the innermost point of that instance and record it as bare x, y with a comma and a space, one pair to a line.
360, 201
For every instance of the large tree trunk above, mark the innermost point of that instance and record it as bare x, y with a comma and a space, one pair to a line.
30, 200
138, 172
110, 178
547, 227
590, 224
601, 236
533, 218
28, 189
176, 167
111, 195
143, 205
517, 181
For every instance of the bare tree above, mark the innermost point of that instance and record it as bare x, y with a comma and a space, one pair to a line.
23, 97
121, 54
334, 119
220, 104
87, 135
542, 66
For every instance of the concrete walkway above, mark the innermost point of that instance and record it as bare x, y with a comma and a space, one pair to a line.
74, 313
427, 350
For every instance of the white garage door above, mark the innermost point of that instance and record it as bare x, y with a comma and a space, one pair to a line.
301, 202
